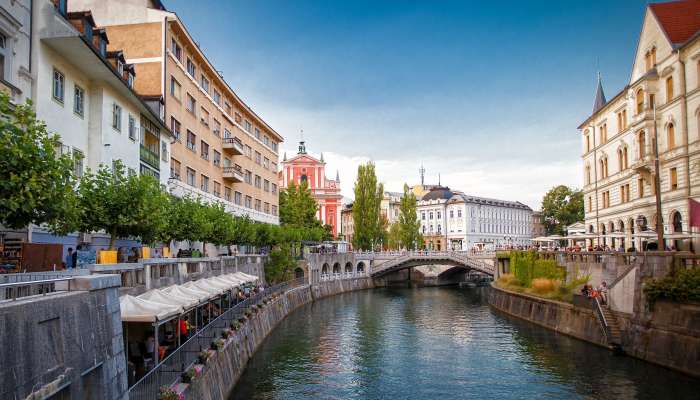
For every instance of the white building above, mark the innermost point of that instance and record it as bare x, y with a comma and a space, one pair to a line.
662, 100
15, 33
454, 220
85, 95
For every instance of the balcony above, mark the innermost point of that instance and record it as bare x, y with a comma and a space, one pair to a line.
233, 144
149, 157
234, 173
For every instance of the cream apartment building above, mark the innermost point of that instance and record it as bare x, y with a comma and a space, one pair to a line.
223, 150
618, 138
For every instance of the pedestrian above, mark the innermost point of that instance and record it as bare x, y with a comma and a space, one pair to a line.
69, 258
603, 291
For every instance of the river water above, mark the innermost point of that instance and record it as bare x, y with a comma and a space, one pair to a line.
439, 343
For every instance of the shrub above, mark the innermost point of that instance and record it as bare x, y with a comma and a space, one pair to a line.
188, 375
217, 344
203, 357
681, 286
235, 325
526, 266
167, 393
544, 285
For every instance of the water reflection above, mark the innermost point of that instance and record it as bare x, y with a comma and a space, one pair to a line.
438, 343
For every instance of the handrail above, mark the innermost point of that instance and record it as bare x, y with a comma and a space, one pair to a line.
42, 283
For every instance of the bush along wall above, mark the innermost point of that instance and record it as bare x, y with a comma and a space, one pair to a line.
682, 286
526, 266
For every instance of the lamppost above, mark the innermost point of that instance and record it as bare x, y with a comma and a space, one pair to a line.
657, 188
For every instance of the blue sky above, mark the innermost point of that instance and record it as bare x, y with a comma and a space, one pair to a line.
487, 94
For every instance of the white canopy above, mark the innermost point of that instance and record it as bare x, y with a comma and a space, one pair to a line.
201, 285
188, 292
245, 277
224, 283
231, 279
134, 309
160, 296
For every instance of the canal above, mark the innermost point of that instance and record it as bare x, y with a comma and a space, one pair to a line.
432, 343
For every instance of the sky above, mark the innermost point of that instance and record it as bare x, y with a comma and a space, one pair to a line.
486, 95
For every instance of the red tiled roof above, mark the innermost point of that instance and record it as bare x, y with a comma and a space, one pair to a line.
680, 19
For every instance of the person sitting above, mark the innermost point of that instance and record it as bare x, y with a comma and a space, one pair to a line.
584, 291
603, 291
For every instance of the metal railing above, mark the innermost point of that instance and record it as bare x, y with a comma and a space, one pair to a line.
168, 372
15, 290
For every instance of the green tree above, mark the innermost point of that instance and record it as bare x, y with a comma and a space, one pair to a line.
281, 264
394, 237
36, 183
408, 220
121, 204
366, 214
185, 220
561, 206
297, 206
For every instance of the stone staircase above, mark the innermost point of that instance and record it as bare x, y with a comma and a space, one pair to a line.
609, 325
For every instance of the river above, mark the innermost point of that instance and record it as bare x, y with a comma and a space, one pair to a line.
439, 343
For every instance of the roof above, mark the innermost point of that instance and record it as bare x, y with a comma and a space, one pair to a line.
679, 19
599, 101
438, 193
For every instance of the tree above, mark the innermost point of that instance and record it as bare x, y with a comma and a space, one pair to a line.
297, 206
184, 220
394, 237
36, 183
561, 206
280, 265
408, 220
366, 214
121, 204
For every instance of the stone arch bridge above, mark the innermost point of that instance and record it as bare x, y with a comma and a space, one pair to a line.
386, 267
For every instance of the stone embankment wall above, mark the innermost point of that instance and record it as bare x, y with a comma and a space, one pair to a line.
64, 345
224, 369
561, 317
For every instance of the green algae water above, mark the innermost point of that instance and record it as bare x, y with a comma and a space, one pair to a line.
439, 343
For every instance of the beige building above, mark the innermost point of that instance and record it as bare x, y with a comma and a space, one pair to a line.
662, 100
223, 151
347, 229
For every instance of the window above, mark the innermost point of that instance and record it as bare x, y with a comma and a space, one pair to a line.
175, 88
248, 127
164, 151
439, 215
191, 140
130, 80
274, 188
274, 210
622, 120
274, 166
422, 216
452, 213
674, 178
669, 89
205, 117
257, 133
248, 151
459, 213
227, 107
588, 143
175, 127
249, 202
217, 97
606, 199
258, 204
204, 184
650, 58
120, 67
204, 149
3, 55
191, 104
78, 158
590, 204
174, 169
640, 101
79, 101
176, 49
237, 196
266, 140
640, 187
624, 193
257, 158
217, 127
266, 185
274, 145
59, 82
603, 133
266, 163
191, 177
132, 127
625, 159
266, 208
191, 68
258, 181
117, 117
217, 158
248, 177
227, 193
205, 83
588, 175
217, 189
671, 136
431, 215
642, 140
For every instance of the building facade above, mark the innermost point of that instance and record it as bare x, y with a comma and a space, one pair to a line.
326, 192
457, 221
658, 109
223, 151
15, 46
390, 207
347, 224
537, 224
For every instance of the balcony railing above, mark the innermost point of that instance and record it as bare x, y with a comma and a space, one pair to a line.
150, 157
234, 173
233, 144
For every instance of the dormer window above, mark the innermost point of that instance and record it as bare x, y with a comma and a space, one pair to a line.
61, 6
130, 80
88, 31
103, 47
120, 67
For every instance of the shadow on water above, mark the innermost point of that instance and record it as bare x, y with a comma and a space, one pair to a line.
399, 343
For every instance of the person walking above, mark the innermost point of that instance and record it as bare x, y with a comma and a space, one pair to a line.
603, 291
69, 259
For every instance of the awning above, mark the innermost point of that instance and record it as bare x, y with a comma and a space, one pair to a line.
201, 285
188, 292
245, 277
220, 281
645, 234
232, 279
134, 309
160, 296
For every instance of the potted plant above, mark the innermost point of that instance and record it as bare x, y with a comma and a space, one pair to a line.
188, 375
167, 393
217, 344
235, 325
203, 357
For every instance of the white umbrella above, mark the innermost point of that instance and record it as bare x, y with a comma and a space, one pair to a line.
204, 286
134, 309
188, 292
160, 296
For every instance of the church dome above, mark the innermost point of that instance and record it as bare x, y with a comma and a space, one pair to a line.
438, 193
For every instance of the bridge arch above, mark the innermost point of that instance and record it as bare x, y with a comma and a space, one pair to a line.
298, 273
348, 267
360, 267
325, 270
336, 268
459, 262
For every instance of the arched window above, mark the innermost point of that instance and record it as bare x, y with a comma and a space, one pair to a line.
603, 167
620, 163
669, 89
625, 159
588, 175
677, 222
603, 133
640, 101
671, 136
642, 140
